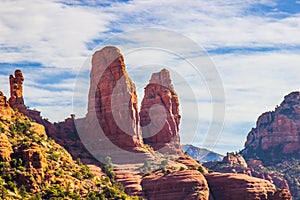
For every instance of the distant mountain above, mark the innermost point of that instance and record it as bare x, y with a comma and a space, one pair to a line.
201, 154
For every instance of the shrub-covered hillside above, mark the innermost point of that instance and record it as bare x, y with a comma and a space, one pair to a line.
33, 166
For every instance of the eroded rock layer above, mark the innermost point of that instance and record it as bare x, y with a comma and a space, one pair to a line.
186, 184
112, 97
277, 133
240, 186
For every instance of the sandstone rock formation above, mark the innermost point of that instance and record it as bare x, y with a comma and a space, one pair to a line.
3, 100
5, 148
276, 134
235, 159
112, 97
131, 181
186, 184
5, 109
241, 186
34, 161
159, 114
16, 91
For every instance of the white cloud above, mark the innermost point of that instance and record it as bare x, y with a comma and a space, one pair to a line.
47, 32
56, 34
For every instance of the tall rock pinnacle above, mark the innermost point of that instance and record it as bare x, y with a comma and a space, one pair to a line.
160, 114
112, 97
16, 91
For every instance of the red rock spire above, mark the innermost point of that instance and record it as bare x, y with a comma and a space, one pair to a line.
160, 114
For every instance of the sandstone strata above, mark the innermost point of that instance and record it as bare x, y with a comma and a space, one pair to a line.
159, 114
34, 160
241, 186
276, 133
186, 184
3, 100
5, 148
112, 97
235, 160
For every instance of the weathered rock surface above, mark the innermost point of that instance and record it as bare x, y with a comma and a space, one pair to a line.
3, 100
34, 160
186, 184
235, 163
112, 97
235, 159
191, 163
16, 91
5, 148
240, 186
159, 114
277, 133
130, 180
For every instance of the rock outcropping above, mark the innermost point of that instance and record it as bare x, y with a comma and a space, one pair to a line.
113, 98
159, 114
5, 148
3, 100
186, 184
277, 133
235, 160
239, 186
16, 91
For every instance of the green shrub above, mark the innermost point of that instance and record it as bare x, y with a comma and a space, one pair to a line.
11, 186
86, 173
23, 192
109, 172
53, 191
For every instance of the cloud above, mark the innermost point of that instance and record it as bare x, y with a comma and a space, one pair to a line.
58, 35
49, 33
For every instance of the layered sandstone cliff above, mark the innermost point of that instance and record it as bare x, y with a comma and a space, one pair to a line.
240, 186
113, 99
277, 133
185, 184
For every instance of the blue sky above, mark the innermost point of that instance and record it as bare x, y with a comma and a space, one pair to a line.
254, 45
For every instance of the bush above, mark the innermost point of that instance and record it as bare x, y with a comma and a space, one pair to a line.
109, 172
86, 173
11, 186
23, 192
53, 191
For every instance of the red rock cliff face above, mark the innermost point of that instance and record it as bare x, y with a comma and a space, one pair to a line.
240, 186
113, 98
186, 184
159, 114
277, 133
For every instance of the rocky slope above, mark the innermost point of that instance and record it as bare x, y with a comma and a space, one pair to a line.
33, 166
201, 154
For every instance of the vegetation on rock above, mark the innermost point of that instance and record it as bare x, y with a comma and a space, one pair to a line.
33, 166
